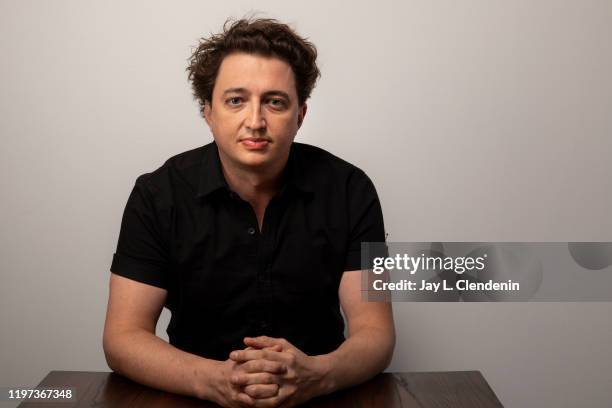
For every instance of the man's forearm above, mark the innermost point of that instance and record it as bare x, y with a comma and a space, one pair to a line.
149, 360
364, 354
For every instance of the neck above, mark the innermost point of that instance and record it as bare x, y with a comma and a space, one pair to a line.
257, 186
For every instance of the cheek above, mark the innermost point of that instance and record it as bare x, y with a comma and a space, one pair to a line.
225, 125
285, 125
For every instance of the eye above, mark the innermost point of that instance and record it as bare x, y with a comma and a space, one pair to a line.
277, 103
233, 101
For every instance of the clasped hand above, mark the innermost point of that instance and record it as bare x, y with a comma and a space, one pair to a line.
271, 372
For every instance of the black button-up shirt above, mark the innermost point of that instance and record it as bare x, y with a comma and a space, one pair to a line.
184, 230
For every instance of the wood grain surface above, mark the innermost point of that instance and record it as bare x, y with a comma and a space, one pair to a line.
458, 389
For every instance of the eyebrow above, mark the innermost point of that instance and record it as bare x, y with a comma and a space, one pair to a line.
267, 93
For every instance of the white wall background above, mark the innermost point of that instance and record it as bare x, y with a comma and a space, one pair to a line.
478, 120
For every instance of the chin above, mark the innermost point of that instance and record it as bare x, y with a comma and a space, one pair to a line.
255, 160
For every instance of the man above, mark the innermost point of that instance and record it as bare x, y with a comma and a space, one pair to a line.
252, 242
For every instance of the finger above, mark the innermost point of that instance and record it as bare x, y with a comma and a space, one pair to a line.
261, 390
272, 402
241, 356
231, 353
273, 348
255, 378
261, 366
276, 347
244, 399
263, 341
284, 399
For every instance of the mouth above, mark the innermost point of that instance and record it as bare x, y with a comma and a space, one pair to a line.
255, 143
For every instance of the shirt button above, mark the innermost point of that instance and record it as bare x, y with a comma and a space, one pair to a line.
251, 231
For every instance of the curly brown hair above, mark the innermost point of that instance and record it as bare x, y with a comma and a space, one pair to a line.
262, 36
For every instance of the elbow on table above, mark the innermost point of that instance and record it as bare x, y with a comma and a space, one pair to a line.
109, 341
389, 348
389, 356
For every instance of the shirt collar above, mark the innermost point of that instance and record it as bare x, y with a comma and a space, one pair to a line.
296, 174
212, 178
211, 175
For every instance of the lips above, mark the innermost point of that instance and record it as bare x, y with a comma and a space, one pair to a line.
255, 143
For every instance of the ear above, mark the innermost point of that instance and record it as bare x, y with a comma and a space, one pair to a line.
206, 113
302, 114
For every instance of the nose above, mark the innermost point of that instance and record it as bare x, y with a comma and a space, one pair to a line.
256, 119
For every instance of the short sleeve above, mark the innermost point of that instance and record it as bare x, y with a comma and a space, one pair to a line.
365, 218
142, 252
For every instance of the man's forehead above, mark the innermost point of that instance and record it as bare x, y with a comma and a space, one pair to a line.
254, 73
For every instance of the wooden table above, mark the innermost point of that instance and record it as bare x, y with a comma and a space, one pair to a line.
458, 389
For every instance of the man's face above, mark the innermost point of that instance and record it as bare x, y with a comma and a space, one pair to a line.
255, 112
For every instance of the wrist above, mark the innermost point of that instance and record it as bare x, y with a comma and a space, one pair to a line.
325, 364
205, 379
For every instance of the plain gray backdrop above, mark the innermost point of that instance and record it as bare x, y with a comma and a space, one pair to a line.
477, 120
